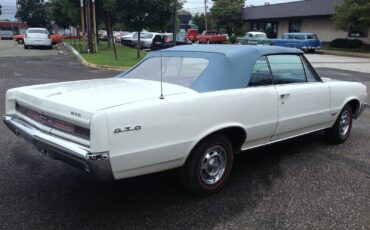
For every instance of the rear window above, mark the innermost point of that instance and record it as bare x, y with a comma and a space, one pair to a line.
182, 71
35, 31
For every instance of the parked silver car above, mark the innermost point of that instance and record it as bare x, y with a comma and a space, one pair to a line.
6, 34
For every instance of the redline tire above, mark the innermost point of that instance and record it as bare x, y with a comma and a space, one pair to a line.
342, 127
208, 167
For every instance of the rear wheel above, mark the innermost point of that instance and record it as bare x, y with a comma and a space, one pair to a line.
20, 41
208, 166
342, 127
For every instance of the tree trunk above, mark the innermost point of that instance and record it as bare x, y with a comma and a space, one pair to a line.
110, 37
138, 44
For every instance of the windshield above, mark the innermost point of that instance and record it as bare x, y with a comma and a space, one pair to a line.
312, 36
37, 31
182, 71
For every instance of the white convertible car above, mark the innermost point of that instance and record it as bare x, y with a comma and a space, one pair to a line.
188, 107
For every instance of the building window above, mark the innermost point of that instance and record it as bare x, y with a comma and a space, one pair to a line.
295, 26
270, 28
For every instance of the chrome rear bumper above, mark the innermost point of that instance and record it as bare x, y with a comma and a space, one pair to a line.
57, 148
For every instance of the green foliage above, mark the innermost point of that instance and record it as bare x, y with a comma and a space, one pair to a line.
228, 14
346, 43
353, 15
126, 55
33, 12
143, 14
234, 37
65, 12
199, 20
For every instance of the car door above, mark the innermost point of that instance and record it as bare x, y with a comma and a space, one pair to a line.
259, 99
303, 99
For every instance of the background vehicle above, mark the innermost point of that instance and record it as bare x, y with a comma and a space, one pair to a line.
304, 41
166, 41
19, 38
6, 35
146, 39
37, 37
253, 38
192, 34
55, 38
209, 37
126, 40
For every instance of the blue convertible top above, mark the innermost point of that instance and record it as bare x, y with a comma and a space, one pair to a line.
230, 66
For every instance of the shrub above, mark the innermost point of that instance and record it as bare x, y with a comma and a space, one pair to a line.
346, 43
234, 37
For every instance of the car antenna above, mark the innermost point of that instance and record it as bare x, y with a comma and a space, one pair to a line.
161, 97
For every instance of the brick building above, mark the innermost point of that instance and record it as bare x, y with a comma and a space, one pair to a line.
16, 27
300, 16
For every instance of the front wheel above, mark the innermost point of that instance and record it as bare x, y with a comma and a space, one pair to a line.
342, 127
20, 41
208, 166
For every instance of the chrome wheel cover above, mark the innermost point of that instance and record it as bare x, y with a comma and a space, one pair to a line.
344, 123
213, 165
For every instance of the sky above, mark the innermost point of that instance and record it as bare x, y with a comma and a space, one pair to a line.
8, 9
193, 6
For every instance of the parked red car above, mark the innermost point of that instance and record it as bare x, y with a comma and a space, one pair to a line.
191, 35
209, 37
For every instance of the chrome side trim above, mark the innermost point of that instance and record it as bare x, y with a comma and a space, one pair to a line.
360, 111
57, 148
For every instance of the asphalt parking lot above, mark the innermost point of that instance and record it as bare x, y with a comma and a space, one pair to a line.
9, 48
303, 183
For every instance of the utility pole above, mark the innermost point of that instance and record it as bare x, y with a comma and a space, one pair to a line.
205, 14
174, 22
94, 21
89, 26
82, 24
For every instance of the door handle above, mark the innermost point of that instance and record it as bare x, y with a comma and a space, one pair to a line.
282, 96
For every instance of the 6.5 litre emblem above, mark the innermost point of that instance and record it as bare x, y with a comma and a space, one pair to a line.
127, 129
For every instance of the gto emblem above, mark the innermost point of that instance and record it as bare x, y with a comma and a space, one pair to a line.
76, 114
127, 129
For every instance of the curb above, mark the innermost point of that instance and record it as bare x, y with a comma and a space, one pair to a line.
91, 65
343, 53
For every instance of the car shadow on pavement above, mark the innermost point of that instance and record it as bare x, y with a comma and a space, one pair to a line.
68, 197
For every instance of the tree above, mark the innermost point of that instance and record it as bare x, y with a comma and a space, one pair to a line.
65, 12
143, 14
353, 15
228, 14
0, 9
33, 12
199, 20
